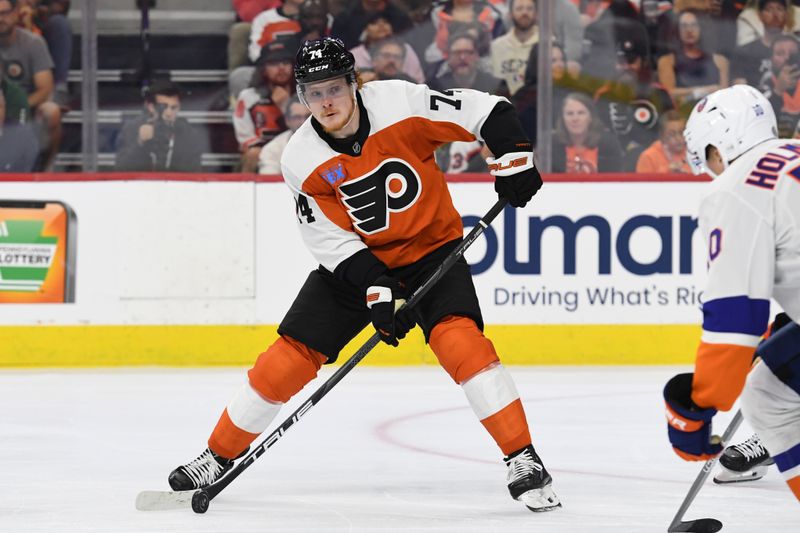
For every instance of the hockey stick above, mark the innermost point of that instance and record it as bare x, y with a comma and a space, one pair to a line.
703, 525
200, 499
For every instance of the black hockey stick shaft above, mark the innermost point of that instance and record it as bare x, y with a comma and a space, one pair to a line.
214, 489
698, 525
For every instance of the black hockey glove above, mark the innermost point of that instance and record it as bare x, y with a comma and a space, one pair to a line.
515, 177
384, 297
688, 425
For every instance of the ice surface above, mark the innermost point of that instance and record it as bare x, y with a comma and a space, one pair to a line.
389, 449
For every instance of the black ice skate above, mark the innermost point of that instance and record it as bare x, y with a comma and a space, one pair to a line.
202, 472
529, 482
746, 461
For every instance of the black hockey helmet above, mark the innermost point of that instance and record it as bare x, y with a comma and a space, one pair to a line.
323, 59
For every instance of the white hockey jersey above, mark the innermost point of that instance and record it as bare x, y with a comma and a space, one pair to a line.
391, 197
750, 219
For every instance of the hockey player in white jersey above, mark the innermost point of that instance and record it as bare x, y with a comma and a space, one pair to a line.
750, 218
374, 210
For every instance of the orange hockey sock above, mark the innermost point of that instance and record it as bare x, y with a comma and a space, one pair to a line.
278, 374
470, 359
461, 347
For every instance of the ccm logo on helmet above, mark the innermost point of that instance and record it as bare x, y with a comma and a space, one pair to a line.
318, 68
393, 186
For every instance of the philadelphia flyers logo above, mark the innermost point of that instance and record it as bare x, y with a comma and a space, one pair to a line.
392, 187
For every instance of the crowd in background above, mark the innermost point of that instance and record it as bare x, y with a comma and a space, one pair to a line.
625, 73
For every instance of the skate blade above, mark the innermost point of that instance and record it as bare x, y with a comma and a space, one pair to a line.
156, 500
540, 500
725, 476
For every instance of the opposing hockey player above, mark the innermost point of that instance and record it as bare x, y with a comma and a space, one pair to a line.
375, 211
750, 219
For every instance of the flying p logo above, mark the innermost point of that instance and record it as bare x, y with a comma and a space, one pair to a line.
393, 186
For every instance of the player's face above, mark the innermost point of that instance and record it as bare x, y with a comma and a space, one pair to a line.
331, 102
714, 161
576, 117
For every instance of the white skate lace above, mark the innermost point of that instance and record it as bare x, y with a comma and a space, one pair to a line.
751, 448
204, 470
522, 466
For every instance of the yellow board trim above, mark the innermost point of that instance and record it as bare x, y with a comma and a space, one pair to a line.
104, 346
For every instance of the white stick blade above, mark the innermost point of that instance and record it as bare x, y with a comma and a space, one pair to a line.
155, 500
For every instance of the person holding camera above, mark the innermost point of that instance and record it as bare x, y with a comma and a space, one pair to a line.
780, 83
159, 140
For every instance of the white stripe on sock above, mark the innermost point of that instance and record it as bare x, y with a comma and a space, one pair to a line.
250, 412
490, 391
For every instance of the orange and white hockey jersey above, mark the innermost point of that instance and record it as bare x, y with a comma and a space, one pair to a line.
266, 27
751, 221
390, 196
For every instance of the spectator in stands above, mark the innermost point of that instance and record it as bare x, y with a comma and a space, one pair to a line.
15, 101
751, 61
453, 12
569, 31
717, 20
510, 52
259, 109
525, 100
315, 21
631, 104
239, 35
422, 32
379, 27
266, 27
668, 153
388, 57
269, 161
782, 84
749, 26
160, 140
28, 63
351, 23
18, 144
48, 18
304, 19
581, 144
691, 71
462, 58
619, 22
282, 20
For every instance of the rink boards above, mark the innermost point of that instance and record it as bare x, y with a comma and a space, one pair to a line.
199, 269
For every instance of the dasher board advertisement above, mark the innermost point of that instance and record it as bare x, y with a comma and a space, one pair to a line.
37, 252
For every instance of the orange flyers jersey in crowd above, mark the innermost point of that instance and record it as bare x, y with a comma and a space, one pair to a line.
751, 222
390, 196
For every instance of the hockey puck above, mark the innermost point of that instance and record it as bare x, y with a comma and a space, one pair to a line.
200, 502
